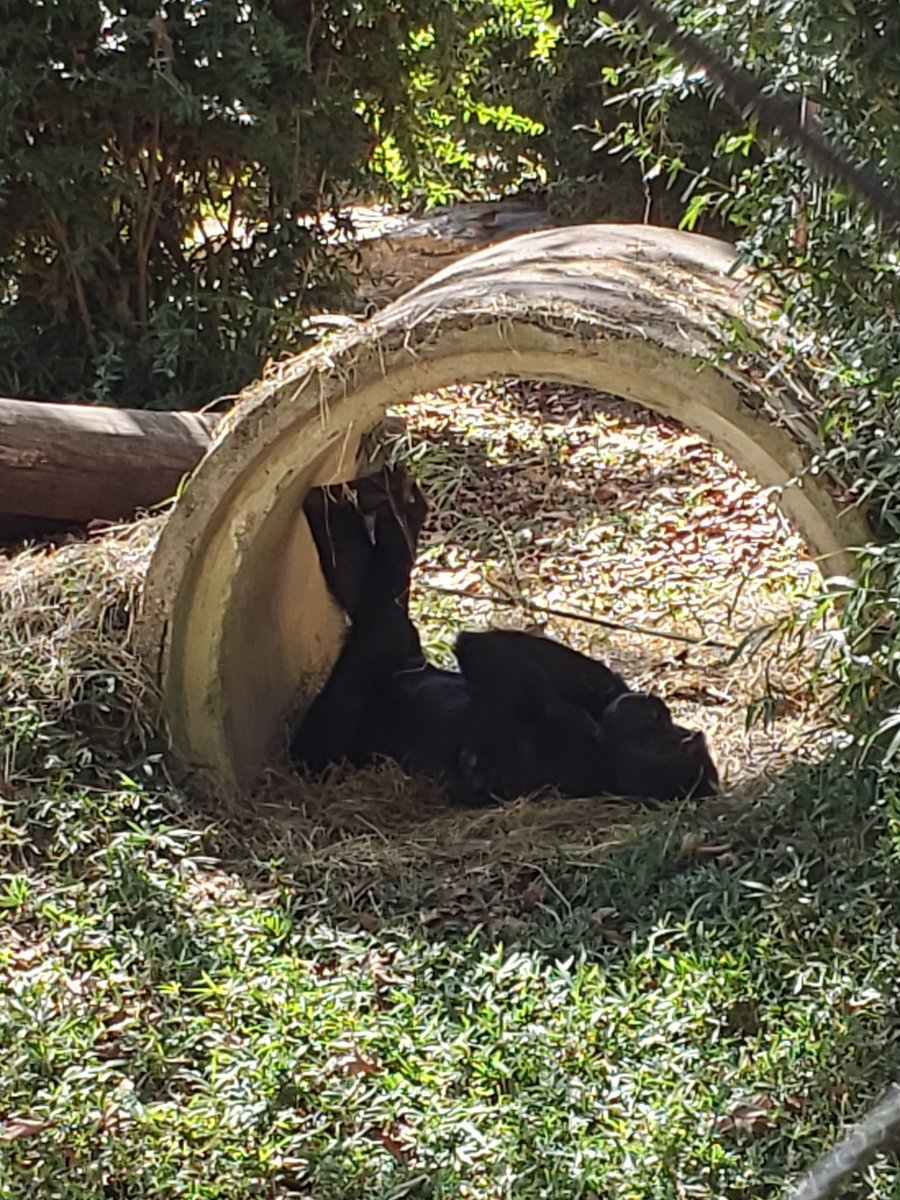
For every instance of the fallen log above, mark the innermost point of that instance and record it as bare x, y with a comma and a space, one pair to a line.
68, 464
399, 251
65, 465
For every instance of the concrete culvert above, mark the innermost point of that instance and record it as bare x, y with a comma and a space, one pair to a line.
236, 619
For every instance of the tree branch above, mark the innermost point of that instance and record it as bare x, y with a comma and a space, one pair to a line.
566, 614
774, 112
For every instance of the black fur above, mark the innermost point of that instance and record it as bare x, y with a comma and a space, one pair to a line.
522, 715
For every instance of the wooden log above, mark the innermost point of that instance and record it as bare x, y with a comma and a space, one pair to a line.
398, 251
64, 465
67, 464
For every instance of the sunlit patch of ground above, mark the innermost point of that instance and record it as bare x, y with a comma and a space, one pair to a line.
546, 497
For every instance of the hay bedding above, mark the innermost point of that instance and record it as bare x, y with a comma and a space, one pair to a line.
540, 496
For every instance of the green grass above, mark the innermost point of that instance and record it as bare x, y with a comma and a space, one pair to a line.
182, 1020
206, 1001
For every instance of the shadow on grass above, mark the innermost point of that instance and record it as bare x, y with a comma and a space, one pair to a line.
754, 938
354, 991
550, 999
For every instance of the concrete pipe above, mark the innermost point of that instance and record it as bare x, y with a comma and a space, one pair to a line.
236, 618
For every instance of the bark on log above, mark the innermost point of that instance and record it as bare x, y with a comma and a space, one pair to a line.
397, 252
63, 466
67, 464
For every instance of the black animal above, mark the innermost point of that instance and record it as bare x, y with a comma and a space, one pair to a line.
523, 714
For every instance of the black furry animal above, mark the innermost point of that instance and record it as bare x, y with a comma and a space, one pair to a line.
522, 714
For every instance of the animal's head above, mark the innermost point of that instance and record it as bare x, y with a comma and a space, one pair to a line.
653, 756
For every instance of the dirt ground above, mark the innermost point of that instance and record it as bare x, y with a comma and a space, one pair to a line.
556, 498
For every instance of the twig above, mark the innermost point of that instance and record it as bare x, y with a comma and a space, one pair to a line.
84, 312
877, 1130
566, 614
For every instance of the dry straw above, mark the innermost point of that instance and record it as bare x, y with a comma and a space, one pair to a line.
66, 656
65, 630
67, 653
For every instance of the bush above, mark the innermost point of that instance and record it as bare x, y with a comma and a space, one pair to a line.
162, 176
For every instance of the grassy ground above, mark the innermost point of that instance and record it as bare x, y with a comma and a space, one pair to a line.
351, 991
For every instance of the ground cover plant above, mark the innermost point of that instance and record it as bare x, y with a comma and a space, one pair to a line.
347, 990
352, 991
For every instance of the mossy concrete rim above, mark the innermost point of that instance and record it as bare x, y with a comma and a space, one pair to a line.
236, 621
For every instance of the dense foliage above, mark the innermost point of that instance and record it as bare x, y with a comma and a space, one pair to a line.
533, 105
163, 172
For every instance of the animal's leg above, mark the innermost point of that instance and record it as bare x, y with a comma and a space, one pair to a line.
486, 657
343, 542
343, 518
382, 641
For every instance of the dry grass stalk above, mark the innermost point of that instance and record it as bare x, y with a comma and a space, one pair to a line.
66, 650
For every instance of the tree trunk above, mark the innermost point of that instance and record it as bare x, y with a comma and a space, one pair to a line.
67, 464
